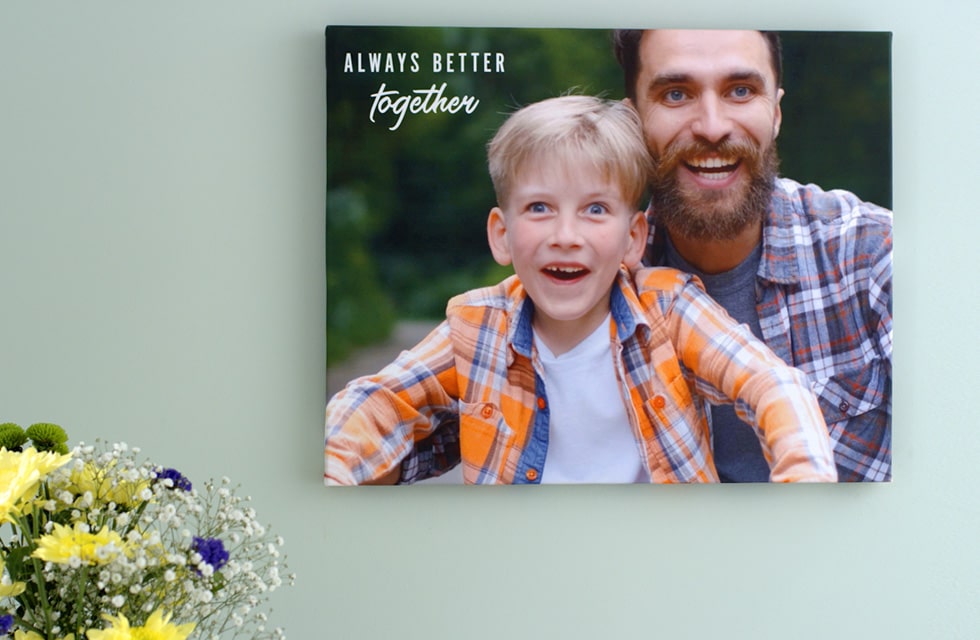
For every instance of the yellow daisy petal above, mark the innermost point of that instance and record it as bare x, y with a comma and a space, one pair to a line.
65, 545
20, 474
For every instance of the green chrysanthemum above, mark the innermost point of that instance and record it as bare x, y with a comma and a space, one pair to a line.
48, 437
12, 436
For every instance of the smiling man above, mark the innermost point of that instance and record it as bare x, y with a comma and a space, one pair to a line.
808, 270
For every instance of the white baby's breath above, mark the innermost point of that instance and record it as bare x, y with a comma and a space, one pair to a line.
155, 563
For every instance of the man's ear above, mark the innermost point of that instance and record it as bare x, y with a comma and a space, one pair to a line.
497, 236
638, 239
778, 116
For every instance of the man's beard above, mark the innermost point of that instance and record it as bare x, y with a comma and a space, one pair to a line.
703, 214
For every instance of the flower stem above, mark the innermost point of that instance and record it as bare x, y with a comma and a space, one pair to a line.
30, 532
42, 591
80, 602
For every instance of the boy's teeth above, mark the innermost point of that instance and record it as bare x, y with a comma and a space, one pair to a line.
565, 272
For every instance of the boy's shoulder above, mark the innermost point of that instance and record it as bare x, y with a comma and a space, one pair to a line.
503, 295
647, 296
660, 280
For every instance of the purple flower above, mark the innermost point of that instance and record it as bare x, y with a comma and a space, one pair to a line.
212, 551
180, 482
6, 624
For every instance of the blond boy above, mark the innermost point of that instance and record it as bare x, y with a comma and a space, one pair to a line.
580, 367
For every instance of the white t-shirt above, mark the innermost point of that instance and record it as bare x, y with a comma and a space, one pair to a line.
590, 438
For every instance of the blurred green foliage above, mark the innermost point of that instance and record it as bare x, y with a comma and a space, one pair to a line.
837, 112
406, 208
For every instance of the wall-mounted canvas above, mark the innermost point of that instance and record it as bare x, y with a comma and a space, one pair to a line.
747, 340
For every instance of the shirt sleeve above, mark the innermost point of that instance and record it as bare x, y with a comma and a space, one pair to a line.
729, 365
880, 298
375, 421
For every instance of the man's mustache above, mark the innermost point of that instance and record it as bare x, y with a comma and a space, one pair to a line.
684, 151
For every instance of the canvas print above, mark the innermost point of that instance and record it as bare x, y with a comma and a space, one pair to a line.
560, 256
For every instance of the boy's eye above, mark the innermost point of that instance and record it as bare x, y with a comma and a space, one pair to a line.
597, 209
537, 207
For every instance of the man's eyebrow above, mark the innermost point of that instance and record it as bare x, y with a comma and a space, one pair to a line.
670, 79
665, 79
749, 75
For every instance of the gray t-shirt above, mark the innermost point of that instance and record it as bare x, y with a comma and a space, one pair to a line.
738, 455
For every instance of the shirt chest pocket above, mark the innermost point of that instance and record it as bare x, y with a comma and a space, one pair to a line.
485, 441
852, 392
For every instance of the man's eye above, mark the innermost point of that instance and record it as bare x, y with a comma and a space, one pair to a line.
674, 95
742, 92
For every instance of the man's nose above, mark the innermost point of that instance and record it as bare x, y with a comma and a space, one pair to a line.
712, 122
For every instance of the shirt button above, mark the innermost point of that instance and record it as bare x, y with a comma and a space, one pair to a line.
844, 407
659, 402
541, 403
486, 411
531, 474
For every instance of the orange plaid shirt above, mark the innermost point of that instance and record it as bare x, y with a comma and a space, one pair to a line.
674, 349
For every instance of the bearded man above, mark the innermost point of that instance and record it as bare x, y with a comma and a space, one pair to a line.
807, 270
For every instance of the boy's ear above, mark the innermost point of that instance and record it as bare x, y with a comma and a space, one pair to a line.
638, 239
497, 236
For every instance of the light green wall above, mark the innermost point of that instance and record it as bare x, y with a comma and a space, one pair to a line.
161, 238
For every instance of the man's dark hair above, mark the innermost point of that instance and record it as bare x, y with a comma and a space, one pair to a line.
626, 45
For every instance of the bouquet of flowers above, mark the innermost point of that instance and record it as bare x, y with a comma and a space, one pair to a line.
98, 545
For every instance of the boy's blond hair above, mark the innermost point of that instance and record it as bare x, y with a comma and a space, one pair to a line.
606, 133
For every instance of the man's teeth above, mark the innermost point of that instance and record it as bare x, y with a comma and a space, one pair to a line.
713, 168
713, 163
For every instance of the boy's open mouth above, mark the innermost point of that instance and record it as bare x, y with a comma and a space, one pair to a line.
565, 273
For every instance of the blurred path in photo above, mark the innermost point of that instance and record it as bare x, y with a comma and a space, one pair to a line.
407, 334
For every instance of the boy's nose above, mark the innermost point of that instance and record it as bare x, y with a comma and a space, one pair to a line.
566, 231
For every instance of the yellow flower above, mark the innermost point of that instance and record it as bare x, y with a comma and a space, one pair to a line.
65, 545
20, 475
157, 627
9, 590
105, 486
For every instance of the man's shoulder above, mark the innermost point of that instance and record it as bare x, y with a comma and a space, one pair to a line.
815, 231
795, 204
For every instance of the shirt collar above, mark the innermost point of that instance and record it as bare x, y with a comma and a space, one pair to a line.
627, 312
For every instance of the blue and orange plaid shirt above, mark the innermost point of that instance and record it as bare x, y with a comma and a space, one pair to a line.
477, 379
824, 299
